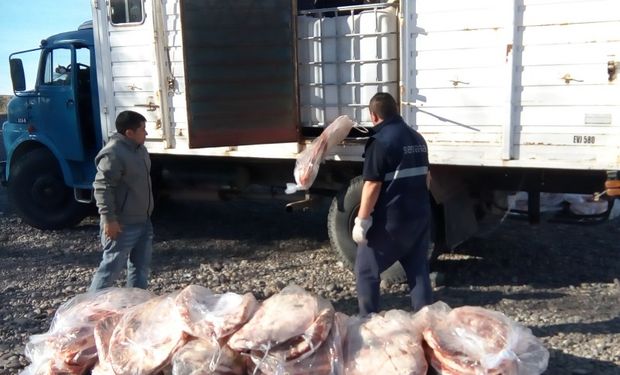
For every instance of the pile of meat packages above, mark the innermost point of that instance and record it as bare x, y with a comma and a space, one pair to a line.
122, 331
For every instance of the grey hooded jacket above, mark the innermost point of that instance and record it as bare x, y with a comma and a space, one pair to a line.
123, 182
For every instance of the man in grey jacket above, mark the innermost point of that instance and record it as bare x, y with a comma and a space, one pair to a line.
125, 202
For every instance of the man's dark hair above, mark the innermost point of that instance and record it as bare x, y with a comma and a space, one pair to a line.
383, 105
128, 120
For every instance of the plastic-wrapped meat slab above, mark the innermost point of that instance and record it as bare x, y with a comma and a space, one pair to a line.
288, 325
473, 340
208, 315
384, 344
146, 336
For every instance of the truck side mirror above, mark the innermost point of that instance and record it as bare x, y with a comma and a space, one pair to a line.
17, 74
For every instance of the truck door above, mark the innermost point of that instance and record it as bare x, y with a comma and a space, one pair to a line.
58, 103
127, 55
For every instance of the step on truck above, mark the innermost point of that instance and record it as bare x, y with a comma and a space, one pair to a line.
510, 95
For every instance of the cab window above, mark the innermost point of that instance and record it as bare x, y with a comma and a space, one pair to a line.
57, 67
126, 12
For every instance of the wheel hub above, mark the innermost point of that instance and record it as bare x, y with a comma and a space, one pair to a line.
48, 191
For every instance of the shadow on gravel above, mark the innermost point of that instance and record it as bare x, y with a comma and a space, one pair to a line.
52, 255
261, 221
460, 297
604, 327
545, 255
401, 300
394, 300
561, 363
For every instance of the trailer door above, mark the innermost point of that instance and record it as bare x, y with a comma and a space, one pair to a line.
239, 72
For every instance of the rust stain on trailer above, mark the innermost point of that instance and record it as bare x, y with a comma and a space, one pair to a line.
552, 24
497, 28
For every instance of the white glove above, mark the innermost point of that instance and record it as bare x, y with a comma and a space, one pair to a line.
359, 230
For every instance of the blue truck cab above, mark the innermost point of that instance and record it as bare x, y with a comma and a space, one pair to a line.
52, 134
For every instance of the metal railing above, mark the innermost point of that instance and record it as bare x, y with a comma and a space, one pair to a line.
355, 82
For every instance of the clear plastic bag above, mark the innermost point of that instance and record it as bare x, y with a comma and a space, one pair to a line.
207, 357
146, 336
474, 340
289, 325
103, 334
388, 343
308, 162
328, 359
579, 204
208, 315
585, 204
69, 345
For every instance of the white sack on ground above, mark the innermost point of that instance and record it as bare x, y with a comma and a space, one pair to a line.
578, 204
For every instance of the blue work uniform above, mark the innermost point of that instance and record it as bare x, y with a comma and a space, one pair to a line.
397, 156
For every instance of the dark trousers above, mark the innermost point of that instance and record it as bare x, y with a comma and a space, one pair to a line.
408, 245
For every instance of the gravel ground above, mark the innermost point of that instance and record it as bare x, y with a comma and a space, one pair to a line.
560, 280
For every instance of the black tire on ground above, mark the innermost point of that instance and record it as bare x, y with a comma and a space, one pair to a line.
340, 221
39, 195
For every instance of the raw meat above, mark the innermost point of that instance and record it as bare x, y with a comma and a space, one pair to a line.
200, 356
308, 162
326, 360
146, 336
289, 324
473, 340
208, 315
69, 345
384, 344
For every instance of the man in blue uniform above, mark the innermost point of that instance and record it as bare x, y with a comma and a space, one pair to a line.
394, 216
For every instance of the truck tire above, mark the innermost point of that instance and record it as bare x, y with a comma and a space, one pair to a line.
39, 195
342, 213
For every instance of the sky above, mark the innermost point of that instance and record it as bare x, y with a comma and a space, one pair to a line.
23, 23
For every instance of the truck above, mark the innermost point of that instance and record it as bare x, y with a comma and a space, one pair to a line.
510, 95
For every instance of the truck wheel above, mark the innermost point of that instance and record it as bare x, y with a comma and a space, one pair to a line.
39, 195
342, 213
